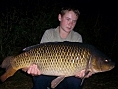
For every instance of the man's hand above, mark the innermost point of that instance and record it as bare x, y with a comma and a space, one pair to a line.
82, 73
33, 70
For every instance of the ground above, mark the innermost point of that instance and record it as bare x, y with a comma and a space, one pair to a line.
106, 80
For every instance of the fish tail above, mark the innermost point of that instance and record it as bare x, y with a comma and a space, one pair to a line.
6, 62
8, 73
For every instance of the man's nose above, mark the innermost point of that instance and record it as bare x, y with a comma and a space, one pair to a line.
71, 23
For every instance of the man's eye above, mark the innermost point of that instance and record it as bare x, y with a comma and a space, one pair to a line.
68, 19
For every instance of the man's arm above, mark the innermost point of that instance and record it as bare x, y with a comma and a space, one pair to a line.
46, 36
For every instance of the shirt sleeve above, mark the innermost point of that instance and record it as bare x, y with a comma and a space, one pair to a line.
76, 37
46, 36
79, 38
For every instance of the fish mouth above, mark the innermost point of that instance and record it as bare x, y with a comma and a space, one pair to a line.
111, 66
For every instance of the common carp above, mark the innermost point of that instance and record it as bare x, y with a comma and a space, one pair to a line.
62, 59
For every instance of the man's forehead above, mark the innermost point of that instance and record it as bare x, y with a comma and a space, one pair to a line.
71, 14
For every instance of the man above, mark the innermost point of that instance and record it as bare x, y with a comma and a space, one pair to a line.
64, 32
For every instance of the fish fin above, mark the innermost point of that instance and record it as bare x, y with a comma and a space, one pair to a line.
7, 74
56, 81
25, 69
86, 70
30, 47
6, 62
86, 73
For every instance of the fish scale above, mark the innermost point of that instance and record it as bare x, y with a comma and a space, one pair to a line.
61, 59
50, 54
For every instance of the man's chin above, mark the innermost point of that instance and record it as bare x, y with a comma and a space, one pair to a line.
68, 30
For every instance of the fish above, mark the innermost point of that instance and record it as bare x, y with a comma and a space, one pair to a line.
61, 59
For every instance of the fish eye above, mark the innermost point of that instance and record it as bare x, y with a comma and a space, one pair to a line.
106, 60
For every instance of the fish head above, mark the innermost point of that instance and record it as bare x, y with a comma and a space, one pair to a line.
101, 63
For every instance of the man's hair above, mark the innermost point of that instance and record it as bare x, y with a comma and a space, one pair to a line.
65, 9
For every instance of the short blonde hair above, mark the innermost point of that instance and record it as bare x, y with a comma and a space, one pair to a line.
65, 9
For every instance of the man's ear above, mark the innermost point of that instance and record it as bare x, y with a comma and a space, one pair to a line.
59, 17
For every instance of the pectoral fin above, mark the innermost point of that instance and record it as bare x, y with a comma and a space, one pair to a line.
86, 73
7, 74
56, 81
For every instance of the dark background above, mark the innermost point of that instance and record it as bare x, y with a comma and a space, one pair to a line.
97, 23
23, 22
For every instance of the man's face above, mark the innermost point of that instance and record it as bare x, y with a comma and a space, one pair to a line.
68, 21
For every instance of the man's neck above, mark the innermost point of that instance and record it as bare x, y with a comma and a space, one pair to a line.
63, 34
